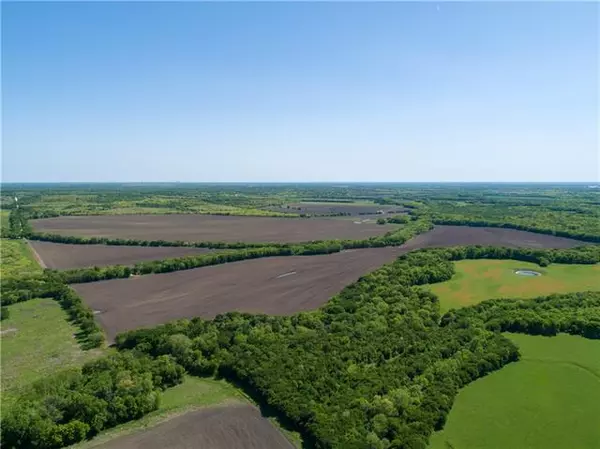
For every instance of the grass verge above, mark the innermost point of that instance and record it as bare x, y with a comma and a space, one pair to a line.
549, 399
478, 280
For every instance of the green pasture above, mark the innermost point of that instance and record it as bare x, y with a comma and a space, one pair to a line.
548, 399
36, 341
478, 280
17, 259
4, 214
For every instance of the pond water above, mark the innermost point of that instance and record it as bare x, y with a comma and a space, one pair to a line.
527, 273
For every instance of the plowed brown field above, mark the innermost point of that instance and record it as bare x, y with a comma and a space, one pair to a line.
274, 285
277, 285
224, 427
65, 256
465, 235
210, 228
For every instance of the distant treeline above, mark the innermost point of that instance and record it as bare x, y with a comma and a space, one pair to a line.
588, 254
583, 236
561, 217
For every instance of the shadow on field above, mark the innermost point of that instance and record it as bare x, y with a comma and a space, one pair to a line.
268, 411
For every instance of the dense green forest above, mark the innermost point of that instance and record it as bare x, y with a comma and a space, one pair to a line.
377, 367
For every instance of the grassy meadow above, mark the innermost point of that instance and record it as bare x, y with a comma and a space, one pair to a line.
4, 214
549, 399
17, 259
478, 280
37, 340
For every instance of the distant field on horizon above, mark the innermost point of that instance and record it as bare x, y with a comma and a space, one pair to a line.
210, 228
548, 399
478, 280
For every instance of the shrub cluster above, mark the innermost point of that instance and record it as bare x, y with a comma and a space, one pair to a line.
69, 407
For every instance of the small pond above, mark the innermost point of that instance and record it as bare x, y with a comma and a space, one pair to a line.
527, 273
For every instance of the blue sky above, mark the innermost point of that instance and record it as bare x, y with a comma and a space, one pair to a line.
300, 92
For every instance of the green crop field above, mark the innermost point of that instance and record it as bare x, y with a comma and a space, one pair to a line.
37, 340
478, 280
549, 399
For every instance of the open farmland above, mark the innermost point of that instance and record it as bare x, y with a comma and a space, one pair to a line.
275, 285
210, 228
337, 208
65, 256
478, 280
465, 235
548, 399
224, 427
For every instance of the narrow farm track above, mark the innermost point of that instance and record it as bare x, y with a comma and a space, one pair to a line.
36, 255
266, 285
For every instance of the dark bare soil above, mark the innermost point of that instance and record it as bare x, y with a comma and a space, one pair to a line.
511, 238
224, 427
65, 256
329, 209
210, 228
277, 285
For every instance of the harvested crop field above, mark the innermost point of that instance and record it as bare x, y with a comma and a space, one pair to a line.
275, 285
63, 256
337, 208
465, 235
225, 427
210, 228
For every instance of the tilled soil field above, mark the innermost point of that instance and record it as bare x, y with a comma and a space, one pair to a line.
224, 427
274, 285
277, 285
210, 228
329, 209
63, 256
511, 238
